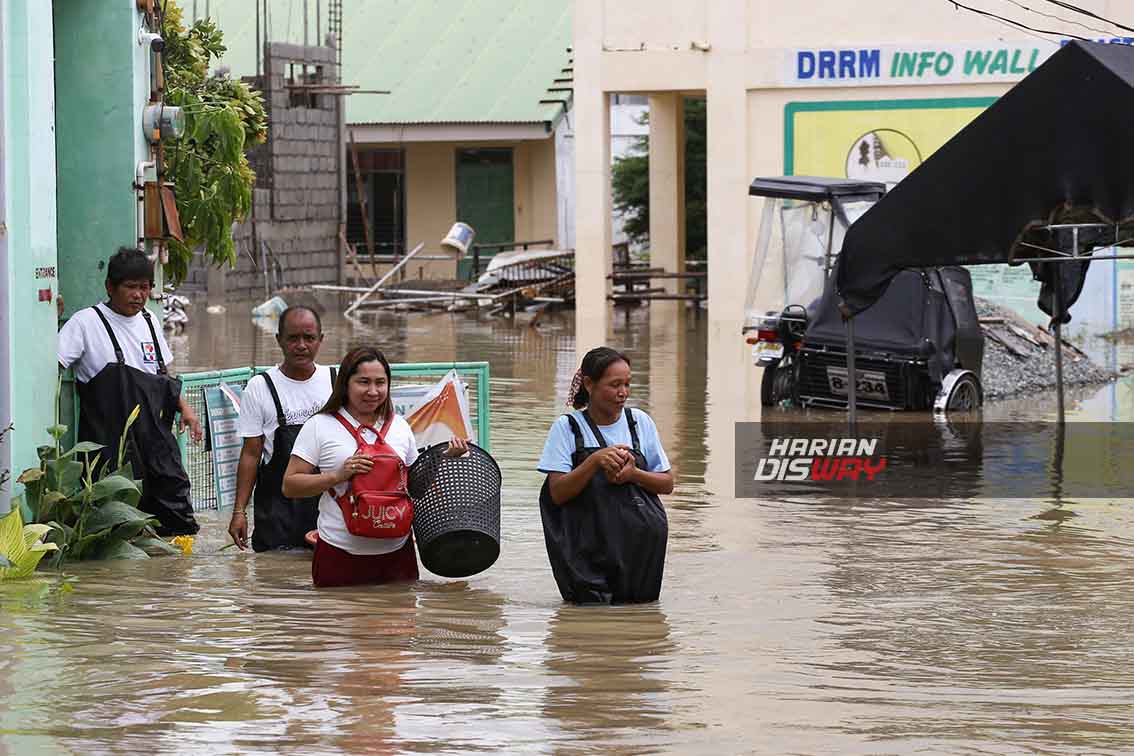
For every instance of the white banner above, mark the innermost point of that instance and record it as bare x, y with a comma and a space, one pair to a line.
435, 412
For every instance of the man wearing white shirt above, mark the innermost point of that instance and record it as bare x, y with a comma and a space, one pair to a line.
273, 408
120, 362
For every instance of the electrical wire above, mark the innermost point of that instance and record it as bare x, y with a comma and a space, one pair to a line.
1060, 18
1016, 24
1092, 14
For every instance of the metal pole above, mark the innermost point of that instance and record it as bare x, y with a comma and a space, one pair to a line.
1059, 326
383, 279
852, 377
1059, 352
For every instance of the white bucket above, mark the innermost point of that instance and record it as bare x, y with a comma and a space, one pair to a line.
459, 238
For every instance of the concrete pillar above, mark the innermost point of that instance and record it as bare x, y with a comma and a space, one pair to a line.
731, 379
592, 184
667, 186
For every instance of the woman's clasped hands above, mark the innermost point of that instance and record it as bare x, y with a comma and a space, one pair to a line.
616, 462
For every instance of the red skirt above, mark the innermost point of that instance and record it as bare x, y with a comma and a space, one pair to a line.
333, 566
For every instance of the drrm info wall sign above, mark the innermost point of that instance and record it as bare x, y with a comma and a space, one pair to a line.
893, 65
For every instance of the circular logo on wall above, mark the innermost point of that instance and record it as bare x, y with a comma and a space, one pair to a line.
882, 155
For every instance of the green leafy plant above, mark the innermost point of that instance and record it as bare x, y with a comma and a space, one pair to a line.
88, 504
212, 178
21, 546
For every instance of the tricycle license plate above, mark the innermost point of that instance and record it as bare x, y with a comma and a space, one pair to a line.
767, 350
871, 384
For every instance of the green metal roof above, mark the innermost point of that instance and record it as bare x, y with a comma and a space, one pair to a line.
444, 61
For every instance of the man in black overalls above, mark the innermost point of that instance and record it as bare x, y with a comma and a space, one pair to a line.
119, 357
273, 408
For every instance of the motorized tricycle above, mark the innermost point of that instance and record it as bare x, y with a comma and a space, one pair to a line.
919, 347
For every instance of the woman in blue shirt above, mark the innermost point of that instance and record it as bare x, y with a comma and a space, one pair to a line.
604, 525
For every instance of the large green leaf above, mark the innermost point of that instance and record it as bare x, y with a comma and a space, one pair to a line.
129, 530
156, 546
130, 497
112, 486
34, 481
30, 475
60, 533
12, 535
35, 533
26, 512
121, 550
111, 514
47, 503
64, 475
20, 550
83, 447
91, 543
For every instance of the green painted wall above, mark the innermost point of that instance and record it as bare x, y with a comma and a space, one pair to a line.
28, 163
102, 85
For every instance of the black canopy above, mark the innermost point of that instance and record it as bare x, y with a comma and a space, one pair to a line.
1057, 147
815, 188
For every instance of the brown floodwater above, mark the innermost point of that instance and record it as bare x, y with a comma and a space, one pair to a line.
784, 626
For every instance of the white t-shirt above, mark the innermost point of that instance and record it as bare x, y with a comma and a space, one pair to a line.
85, 345
300, 400
325, 443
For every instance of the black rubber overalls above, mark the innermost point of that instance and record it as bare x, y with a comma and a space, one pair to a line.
105, 403
280, 522
607, 545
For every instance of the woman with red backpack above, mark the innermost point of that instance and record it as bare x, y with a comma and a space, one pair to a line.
354, 453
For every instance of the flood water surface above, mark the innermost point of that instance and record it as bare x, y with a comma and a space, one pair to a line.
784, 626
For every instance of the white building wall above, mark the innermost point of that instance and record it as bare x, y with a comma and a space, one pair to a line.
626, 128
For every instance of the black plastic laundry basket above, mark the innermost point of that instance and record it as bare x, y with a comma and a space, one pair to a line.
456, 519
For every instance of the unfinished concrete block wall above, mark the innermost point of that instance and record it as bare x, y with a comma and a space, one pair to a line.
294, 224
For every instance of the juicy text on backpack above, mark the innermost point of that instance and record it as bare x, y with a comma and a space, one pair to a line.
377, 503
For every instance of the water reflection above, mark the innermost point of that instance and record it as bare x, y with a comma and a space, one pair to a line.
785, 625
607, 667
953, 629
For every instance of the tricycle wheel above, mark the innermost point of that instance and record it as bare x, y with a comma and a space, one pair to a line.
960, 392
776, 386
768, 386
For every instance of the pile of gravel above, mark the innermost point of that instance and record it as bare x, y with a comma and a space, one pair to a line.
1019, 366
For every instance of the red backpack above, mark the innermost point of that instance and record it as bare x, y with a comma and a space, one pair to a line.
377, 504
